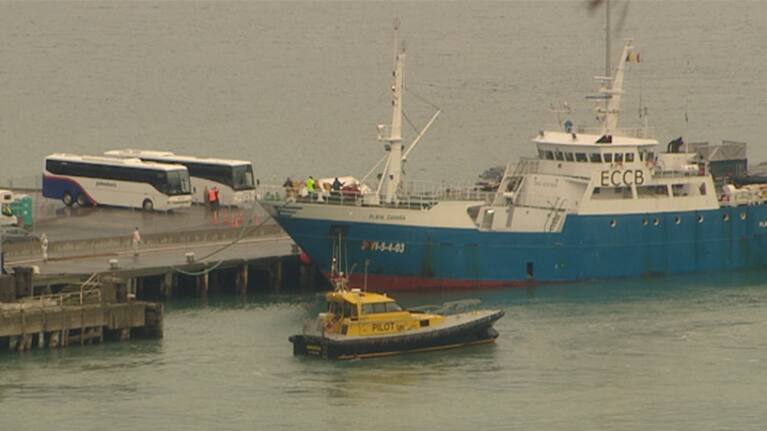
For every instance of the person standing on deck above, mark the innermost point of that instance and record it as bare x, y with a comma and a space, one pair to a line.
136, 240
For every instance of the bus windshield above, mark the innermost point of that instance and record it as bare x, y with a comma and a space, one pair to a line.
178, 183
242, 177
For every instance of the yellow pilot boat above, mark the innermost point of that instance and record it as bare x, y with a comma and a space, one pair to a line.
361, 324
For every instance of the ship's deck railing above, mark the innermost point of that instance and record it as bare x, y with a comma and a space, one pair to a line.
421, 190
413, 194
632, 132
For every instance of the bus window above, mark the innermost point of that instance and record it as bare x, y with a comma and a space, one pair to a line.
178, 183
243, 177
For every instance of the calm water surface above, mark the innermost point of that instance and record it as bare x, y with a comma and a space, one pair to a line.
677, 353
299, 87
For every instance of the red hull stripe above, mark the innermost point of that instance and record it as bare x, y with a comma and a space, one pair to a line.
387, 283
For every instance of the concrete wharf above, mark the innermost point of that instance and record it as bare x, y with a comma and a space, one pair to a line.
194, 249
92, 287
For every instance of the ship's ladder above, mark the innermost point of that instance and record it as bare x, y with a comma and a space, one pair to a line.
555, 216
512, 180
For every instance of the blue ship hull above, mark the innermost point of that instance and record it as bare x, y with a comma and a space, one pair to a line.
588, 247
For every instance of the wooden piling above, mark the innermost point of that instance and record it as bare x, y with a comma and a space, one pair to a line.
168, 285
202, 284
139, 287
276, 273
242, 279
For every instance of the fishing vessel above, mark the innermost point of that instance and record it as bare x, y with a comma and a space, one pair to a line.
601, 202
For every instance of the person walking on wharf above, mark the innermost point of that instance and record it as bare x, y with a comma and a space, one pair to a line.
136, 240
44, 246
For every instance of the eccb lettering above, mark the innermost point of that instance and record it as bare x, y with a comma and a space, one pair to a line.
622, 178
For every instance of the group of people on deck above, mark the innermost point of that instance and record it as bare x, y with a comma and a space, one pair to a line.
312, 189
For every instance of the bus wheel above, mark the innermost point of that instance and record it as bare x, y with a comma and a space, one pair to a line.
81, 200
67, 199
147, 205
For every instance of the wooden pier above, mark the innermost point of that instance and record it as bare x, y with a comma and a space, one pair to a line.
97, 310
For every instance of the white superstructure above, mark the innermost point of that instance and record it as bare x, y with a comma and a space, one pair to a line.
611, 172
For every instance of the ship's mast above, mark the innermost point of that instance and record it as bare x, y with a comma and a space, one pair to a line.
612, 92
392, 135
607, 38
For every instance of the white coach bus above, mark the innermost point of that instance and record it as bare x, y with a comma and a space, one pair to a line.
233, 178
96, 180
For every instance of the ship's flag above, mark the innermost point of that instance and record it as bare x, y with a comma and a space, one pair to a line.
632, 57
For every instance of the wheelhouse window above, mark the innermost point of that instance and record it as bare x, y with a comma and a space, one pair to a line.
549, 155
629, 157
608, 157
618, 157
379, 307
595, 158
569, 157
559, 155
646, 156
656, 191
605, 193
581, 157
333, 308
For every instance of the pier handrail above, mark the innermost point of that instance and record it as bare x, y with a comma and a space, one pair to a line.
91, 284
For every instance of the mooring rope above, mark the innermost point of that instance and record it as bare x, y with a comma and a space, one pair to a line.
239, 237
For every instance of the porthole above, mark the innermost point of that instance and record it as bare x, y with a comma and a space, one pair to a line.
655, 221
700, 219
743, 216
613, 223
677, 220
726, 217
645, 222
